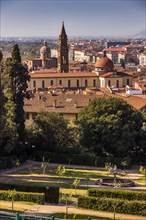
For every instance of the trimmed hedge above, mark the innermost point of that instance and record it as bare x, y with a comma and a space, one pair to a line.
51, 193
122, 194
38, 198
79, 159
8, 162
108, 205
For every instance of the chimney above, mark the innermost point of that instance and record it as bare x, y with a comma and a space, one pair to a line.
75, 104
104, 53
55, 103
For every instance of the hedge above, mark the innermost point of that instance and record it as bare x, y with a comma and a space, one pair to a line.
38, 198
122, 194
79, 159
8, 162
51, 193
108, 204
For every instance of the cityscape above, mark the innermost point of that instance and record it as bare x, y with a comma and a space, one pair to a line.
73, 109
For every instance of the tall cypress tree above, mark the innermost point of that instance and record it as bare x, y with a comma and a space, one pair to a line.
20, 84
8, 133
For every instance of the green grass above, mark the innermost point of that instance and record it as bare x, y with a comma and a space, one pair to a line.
51, 172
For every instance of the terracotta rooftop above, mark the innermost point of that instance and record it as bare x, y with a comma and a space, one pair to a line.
115, 74
104, 62
49, 74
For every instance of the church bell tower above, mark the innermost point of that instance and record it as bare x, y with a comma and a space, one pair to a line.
62, 51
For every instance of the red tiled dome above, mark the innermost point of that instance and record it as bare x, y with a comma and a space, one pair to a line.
104, 62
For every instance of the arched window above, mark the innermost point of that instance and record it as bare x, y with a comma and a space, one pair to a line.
117, 84
34, 83
43, 84
51, 82
86, 83
94, 83
69, 83
78, 84
109, 83
128, 82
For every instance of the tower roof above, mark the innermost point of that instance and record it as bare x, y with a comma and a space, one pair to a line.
63, 32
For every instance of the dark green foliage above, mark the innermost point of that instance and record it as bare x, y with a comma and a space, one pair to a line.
8, 130
50, 132
1, 56
78, 158
38, 198
20, 83
8, 162
51, 193
108, 204
110, 126
122, 194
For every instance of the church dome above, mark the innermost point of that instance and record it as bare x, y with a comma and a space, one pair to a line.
104, 62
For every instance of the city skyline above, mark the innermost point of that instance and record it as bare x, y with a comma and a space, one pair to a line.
36, 18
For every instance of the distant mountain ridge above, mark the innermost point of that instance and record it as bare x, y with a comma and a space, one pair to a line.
141, 34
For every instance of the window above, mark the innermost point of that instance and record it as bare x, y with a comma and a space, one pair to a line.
86, 83
43, 84
69, 83
60, 82
94, 83
117, 84
51, 82
109, 83
128, 82
34, 83
78, 84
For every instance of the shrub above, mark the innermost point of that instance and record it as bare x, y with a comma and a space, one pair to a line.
51, 193
8, 162
108, 205
38, 198
79, 159
122, 194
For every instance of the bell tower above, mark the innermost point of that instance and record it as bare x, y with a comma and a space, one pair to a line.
62, 51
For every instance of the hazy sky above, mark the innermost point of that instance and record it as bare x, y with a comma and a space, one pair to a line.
81, 17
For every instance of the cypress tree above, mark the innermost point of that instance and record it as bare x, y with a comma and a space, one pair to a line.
8, 134
20, 83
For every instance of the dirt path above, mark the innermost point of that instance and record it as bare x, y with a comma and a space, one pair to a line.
51, 209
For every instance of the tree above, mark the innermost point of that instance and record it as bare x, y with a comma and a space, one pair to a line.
110, 126
20, 83
60, 170
44, 165
76, 183
12, 194
50, 132
8, 137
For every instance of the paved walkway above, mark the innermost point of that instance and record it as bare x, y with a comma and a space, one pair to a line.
51, 209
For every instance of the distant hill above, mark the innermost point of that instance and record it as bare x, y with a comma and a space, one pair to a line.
141, 34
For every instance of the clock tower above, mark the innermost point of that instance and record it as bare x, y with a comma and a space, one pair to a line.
62, 51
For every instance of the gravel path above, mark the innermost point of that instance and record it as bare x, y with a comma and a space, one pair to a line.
51, 209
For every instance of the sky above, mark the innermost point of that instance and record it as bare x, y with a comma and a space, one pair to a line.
39, 18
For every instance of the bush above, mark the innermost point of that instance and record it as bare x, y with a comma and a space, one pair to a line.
8, 162
38, 198
122, 194
51, 193
108, 205
79, 159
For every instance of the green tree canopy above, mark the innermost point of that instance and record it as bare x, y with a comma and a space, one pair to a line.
110, 126
50, 132
20, 84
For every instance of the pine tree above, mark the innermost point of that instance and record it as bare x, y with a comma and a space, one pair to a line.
20, 84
